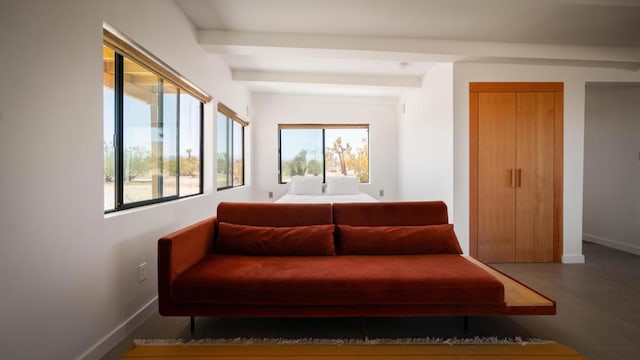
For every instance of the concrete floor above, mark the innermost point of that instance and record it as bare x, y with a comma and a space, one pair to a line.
598, 313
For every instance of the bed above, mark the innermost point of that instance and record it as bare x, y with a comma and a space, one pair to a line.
338, 189
324, 198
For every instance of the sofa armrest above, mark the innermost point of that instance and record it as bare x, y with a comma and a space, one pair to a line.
181, 250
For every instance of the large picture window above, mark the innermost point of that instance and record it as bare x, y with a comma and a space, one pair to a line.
323, 150
230, 151
152, 131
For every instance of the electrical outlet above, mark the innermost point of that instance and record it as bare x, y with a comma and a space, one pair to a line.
142, 272
381, 192
270, 194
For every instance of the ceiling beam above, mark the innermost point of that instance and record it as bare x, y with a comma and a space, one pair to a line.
406, 49
406, 82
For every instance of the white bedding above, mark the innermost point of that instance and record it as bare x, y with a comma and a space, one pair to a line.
291, 198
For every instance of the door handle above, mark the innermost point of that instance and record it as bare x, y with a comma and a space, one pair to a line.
510, 177
518, 177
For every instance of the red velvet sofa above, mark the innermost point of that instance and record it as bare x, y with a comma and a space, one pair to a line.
324, 260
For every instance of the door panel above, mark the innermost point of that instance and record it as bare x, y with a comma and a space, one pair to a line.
496, 161
534, 186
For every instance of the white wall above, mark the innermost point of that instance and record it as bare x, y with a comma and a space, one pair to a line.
68, 274
380, 113
574, 79
425, 139
612, 166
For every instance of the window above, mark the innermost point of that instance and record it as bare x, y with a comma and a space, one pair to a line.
324, 150
152, 129
230, 149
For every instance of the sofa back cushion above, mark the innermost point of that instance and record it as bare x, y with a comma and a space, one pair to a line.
270, 214
274, 241
391, 213
397, 240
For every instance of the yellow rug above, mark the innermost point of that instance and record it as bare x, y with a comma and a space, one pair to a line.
537, 351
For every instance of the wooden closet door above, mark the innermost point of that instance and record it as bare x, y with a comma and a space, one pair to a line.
496, 162
534, 176
515, 171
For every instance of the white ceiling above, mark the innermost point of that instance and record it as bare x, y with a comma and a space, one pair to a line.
380, 47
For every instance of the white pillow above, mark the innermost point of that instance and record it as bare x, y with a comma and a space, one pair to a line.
342, 185
305, 185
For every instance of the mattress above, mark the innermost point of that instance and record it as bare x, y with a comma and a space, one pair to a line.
330, 199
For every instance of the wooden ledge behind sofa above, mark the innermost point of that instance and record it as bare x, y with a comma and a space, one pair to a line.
520, 299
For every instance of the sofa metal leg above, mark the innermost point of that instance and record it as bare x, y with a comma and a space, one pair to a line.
192, 327
466, 324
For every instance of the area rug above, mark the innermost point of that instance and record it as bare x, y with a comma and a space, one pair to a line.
352, 349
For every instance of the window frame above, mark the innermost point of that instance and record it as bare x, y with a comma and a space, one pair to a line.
322, 127
231, 118
125, 48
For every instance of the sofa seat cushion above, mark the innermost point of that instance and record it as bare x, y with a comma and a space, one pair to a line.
337, 280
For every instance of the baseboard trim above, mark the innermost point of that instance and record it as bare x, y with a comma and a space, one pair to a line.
612, 244
105, 344
573, 259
